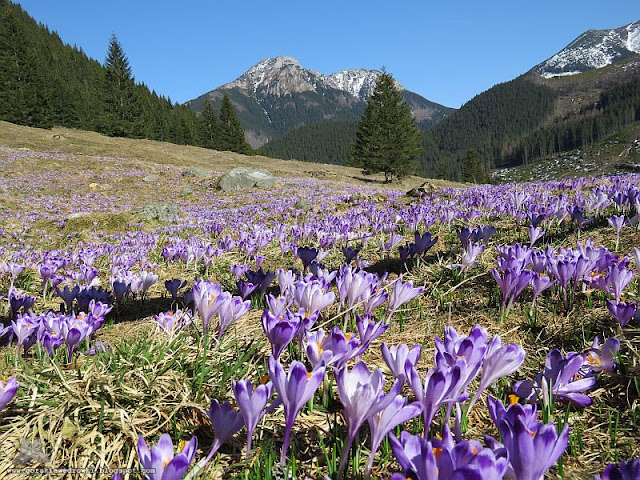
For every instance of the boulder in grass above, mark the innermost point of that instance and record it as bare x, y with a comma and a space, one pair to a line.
161, 212
244, 178
152, 177
196, 172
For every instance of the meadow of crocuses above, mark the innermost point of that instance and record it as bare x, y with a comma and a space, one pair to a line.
318, 329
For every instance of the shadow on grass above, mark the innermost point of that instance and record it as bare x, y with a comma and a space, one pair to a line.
136, 310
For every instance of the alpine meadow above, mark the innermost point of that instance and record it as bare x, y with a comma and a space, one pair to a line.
310, 270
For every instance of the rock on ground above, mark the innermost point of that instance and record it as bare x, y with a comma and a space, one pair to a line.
196, 172
243, 178
162, 212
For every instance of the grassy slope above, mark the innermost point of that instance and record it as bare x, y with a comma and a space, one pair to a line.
82, 142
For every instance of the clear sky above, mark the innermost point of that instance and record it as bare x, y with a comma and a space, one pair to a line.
448, 51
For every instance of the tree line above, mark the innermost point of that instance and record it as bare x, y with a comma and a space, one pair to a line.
45, 82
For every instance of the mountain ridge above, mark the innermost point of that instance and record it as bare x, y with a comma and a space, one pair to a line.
593, 49
278, 95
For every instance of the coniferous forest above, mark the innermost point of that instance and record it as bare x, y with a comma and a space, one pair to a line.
45, 82
513, 123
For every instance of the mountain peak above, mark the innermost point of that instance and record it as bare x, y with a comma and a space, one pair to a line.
284, 75
593, 49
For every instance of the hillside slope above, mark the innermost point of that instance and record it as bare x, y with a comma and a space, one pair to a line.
156, 156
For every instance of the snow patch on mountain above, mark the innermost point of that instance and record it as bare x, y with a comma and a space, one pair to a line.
593, 49
633, 37
284, 75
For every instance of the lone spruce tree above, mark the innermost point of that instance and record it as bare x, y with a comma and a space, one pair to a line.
231, 132
209, 126
123, 112
387, 139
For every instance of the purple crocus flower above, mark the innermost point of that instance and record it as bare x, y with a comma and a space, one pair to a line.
24, 327
226, 421
385, 421
312, 297
499, 361
621, 311
245, 288
368, 330
400, 359
307, 255
278, 306
535, 233
162, 461
465, 235
415, 455
19, 300
424, 242
239, 270
261, 279
624, 471
294, 388
173, 286
375, 297
617, 222
354, 286
13, 269
601, 358
532, 449
280, 330
562, 375
120, 289
68, 295
511, 285
362, 395
8, 389
469, 255
401, 294
172, 322
441, 387
207, 298
286, 280
349, 253
74, 331
618, 277
336, 349
232, 309
442, 460
252, 403
471, 349
98, 347
540, 282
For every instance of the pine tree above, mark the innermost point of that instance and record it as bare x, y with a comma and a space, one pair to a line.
231, 132
388, 139
472, 170
209, 126
123, 113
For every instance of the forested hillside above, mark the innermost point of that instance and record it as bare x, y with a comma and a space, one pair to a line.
45, 82
491, 125
324, 142
530, 117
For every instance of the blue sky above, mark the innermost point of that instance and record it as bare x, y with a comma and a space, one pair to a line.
446, 51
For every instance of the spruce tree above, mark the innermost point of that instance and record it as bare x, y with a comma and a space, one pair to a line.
231, 132
387, 139
122, 107
472, 170
209, 126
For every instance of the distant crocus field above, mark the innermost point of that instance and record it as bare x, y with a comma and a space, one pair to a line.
317, 329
